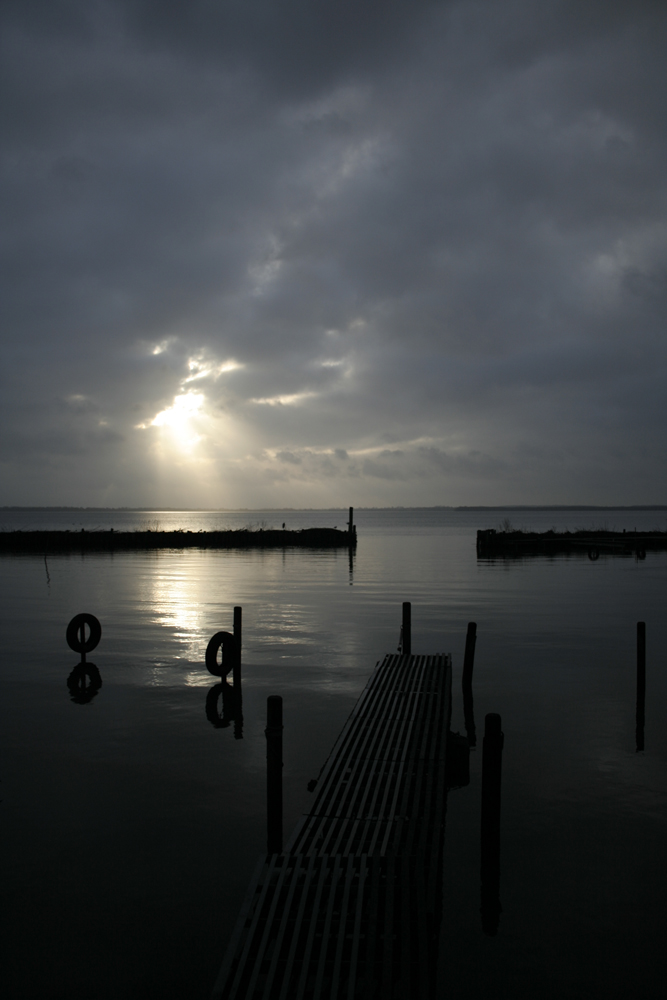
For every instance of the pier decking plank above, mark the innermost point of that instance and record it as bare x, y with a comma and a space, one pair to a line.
352, 907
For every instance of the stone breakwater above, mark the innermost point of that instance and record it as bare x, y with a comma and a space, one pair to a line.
46, 542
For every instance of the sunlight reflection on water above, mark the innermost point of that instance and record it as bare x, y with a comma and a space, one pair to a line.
139, 787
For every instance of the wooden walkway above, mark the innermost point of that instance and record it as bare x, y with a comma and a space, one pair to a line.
352, 906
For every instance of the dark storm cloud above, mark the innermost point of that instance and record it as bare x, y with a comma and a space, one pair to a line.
417, 249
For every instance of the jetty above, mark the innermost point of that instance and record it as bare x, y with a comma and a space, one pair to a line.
492, 544
51, 542
351, 907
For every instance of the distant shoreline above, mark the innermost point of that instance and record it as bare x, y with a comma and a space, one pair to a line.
261, 510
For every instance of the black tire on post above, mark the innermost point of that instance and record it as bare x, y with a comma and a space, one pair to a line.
229, 654
73, 629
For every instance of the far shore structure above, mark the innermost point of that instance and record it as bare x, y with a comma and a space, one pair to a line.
49, 542
515, 544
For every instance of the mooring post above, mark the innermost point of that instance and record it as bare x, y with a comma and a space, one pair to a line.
406, 644
468, 663
641, 683
274, 774
238, 627
350, 519
82, 639
238, 635
492, 757
469, 655
236, 674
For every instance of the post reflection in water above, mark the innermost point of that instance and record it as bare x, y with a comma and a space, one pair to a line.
469, 716
492, 755
641, 685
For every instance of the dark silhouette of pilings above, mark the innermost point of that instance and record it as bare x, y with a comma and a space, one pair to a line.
492, 756
641, 684
274, 774
468, 663
238, 635
406, 629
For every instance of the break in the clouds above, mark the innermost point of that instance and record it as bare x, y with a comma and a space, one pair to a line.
318, 252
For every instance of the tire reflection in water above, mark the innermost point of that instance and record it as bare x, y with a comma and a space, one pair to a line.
84, 683
231, 707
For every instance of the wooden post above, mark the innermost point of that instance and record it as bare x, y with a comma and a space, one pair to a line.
274, 774
469, 655
406, 644
468, 663
641, 684
492, 757
238, 628
82, 637
238, 635
236, 675
349, 521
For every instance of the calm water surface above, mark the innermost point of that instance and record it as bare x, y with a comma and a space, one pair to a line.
131, 824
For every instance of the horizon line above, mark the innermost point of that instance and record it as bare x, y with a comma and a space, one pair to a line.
252, 510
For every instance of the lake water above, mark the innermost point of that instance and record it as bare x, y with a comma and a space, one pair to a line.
131, 824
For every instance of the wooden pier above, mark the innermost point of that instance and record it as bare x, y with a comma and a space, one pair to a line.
492, 544
352, 906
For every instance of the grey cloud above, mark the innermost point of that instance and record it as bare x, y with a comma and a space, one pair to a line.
381, 470
430, 222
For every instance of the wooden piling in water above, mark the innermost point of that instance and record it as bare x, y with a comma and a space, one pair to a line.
641, 684
492, 755
82, 640
238, 636
406, 631
238, 627
274, 774
466, 683
469, 655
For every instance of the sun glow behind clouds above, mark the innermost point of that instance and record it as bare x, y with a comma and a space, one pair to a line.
184, 406
188, 421
180, 419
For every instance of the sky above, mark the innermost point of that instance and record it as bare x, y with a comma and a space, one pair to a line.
314, 253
